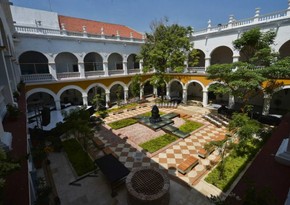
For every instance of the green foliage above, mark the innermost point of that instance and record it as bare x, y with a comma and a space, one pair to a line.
43, 192
255, 46
166, 46
12, 110
242, 125
135, 85
122, 123
158, 143
238, 80
234, 164
79, 159
78, 124
7, 165
98, 101
193, 58
189, 126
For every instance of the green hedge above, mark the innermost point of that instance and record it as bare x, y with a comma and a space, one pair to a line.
189, 126
79, 159
122, 123
234, 164
158, 143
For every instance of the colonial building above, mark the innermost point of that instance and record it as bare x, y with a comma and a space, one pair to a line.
67, 60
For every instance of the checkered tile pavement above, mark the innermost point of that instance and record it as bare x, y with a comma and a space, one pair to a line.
132, 155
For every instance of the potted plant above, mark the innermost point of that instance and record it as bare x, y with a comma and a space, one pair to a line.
43, 192
12, 111
38, 155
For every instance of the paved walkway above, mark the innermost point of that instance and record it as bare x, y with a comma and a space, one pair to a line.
96, 190
169, 158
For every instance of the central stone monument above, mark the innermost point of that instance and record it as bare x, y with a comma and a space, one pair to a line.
155, 117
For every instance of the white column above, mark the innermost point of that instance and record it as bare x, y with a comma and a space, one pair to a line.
266, 106
155, 92
57, 104
105, 67
125, 67
126, 94
141, 92
288, 9
184, 96
207, 62
231, 101
85, 99
236, 59
107, 98
82, 69
204, 98
167, 92
141, 66
52, 70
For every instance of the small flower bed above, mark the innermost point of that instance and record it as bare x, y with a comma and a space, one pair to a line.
79, 159
122, 123
158, 143
190, 126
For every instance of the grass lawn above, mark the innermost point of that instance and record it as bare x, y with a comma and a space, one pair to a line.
158, 143
79, 159
190, 126
148, 114
234, 164
122, 123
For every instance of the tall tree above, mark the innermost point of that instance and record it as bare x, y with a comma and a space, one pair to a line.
167, 46
254, 45
135, 85
243, 79
6, 167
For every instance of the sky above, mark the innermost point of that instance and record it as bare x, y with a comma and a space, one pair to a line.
139, 14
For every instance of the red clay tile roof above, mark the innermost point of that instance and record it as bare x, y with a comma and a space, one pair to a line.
94, 27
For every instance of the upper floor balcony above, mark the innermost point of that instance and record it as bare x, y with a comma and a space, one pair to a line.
64, 33
253, 21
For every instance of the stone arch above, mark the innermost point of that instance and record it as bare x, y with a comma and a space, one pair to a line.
284, 50
93, 61
66, 62
44, 90
220, 55
132, 62
280, 100
60, 92
75, 98
214, 98
147, 88
201, 59
97, 88
114, 91
177, 92
194, 90
33, 62
115, 61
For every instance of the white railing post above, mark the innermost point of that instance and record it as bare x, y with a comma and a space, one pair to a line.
257, 14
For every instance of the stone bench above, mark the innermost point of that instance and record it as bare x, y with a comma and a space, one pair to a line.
108, 150
98, 143
203, 153
187, 164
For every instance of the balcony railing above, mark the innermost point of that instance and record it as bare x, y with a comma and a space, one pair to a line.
36, 77
94, 73
116, 72
46, 31
244, 22
68, 75
196, 70
131, 71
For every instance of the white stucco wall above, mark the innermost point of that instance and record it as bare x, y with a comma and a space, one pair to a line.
28, 17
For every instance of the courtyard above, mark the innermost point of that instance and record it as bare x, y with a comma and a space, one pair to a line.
185, 189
